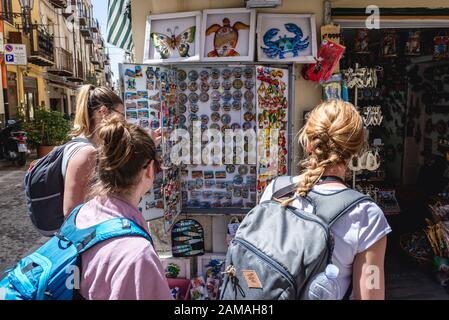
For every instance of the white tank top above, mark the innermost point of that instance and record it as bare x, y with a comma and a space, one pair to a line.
71, 150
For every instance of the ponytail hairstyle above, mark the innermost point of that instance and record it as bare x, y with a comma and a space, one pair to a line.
124, 150
333, 135
89, 99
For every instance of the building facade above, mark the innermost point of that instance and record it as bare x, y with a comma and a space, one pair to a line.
65, 49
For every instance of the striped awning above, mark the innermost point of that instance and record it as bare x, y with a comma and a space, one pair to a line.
119, 24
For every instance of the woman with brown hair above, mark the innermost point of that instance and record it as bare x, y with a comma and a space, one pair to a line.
126, 267
332, 136
93, 105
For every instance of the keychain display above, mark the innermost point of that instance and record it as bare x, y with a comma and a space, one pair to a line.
272, 103
187, 236
372, 116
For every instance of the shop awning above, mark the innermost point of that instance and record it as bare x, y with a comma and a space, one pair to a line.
393, 17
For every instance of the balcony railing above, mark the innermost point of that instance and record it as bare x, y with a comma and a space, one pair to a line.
64, 63
59, 4
78, 74
95, 26
92, 79
85, 31
42, 48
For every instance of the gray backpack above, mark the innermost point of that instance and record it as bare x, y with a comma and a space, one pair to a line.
278, 249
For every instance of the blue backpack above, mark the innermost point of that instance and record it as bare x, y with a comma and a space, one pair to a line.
51, 272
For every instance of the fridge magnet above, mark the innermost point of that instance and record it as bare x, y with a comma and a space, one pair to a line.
228, 35
286, 37
187, 238
172, 37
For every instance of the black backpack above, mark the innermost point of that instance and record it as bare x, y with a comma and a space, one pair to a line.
44, 191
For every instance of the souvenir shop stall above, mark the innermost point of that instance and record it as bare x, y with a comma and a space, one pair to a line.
226, 129
399, 79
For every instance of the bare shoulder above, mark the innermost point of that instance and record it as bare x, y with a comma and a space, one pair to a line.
84, 156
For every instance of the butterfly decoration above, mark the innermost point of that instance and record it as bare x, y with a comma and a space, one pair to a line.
165, 45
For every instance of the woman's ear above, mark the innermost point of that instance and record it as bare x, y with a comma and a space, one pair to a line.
149, 171
103, 111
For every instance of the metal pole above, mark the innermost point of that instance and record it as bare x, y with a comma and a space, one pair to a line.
355, 104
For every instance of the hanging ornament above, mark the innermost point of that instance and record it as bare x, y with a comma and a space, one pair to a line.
361, 42
389, 44
413, 44
441, 47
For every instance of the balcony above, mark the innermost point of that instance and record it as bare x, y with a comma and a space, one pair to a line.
64, 63
59, 4
95, 26
85, 31
92, 79
78, 75
42, 48
89, 40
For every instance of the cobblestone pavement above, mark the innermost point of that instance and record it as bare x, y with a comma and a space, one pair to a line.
17, 234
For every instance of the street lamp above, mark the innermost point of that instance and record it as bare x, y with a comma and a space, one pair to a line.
25, 14
27, 6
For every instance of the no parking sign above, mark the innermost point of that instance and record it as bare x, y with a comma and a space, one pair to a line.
15, 54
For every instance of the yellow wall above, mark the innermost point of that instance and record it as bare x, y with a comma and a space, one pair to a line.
31, 69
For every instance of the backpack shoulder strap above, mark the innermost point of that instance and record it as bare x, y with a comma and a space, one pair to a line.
330, 207
283, 186
84, 239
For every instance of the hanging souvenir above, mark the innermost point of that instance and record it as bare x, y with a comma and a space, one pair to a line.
413, 44
204, 97
193, 75
362, 41
389, 44
182, 85
441, 47
187, 238
193, 86
182, 75
204, 75
329, 55
226, 85
215, 84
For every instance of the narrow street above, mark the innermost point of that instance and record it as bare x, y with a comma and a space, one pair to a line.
17, 234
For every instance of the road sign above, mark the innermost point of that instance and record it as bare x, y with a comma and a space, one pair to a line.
15, 54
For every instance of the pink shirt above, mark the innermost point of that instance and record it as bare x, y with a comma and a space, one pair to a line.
124, 268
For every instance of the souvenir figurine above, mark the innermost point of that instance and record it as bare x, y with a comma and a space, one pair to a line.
362, 41
389, 44
225, 38
413, 44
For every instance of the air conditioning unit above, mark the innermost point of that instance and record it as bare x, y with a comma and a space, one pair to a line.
251, 4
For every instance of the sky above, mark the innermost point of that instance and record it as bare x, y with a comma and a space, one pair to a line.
100, 12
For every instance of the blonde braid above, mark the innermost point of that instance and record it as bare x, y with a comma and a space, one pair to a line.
332, 135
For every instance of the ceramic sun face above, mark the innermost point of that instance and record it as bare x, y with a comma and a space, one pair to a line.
226, 38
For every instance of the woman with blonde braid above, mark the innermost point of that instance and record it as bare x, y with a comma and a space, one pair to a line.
332, 136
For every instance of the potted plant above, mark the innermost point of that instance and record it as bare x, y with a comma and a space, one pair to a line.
47, 130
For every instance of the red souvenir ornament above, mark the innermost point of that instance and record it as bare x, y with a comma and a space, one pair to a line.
329, 55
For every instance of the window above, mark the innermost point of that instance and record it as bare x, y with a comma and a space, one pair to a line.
7, 10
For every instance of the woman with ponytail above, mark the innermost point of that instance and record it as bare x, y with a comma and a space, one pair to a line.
331, 137
93, 105
125, 268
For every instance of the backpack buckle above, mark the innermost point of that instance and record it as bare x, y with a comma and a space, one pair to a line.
126, 224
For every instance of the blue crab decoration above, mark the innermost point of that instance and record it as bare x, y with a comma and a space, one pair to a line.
284, 44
